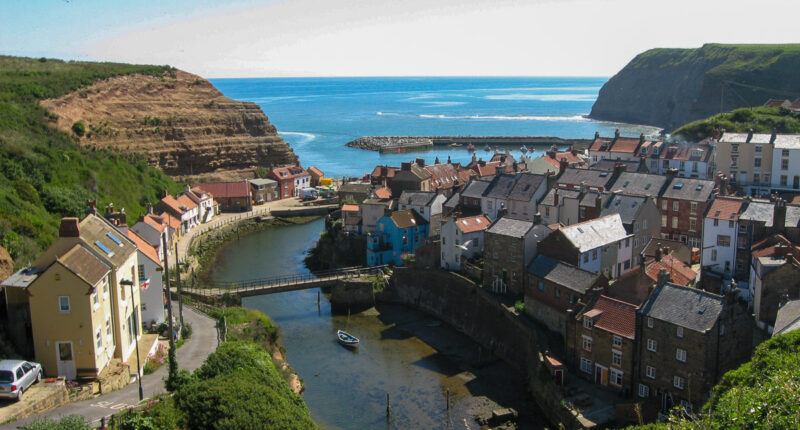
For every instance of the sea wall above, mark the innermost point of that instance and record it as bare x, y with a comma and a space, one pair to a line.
393, 143
352, 295
460, 303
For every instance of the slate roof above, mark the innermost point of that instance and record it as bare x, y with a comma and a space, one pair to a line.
84, 264
696, 190
564, 274
792, 216
549, 198
639, 184
725, 208
595, 233
759, 210
782, 141
452, 201
475, 188
592, 177
148, 233
472, 224
614, 316
96, 229
626, 206
416, 198
687, 307
590, 199
510, 227
526, 186
355, 188
407, 218
501, 186
609, 165
264, 182
788, 318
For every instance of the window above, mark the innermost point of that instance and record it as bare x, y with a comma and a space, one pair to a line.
644, 224
756, 162
784, 180
734, 149
678, 382
649, 322
663, 205
644, 390
692, 224
683, 165
651, 372
723, 240
674, 222
785, 153
675, 206
652, 345
586, 365
766, 178
730, 224
722, 329
680, 355
663, 220
95, 299
140, 269
542, 287
756, 178
758, 149
785, 164
114, 238
588, 322
99, 339
635, 242
617, 341
734, 161
105, 285
108, 326
616, 377
587, 343
636, 227
63, 304
594, 254
713, 255
627, 264
679, 332
556, 292
586, 257
616, 357
693, 208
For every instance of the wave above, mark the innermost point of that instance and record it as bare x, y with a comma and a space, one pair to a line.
544, 97
573, 118
302, 136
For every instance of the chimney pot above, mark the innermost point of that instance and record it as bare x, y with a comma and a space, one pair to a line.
70, 227
421, 162
616, 134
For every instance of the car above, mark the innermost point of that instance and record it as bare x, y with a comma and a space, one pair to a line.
16, 376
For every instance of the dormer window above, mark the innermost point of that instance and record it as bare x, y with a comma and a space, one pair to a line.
103, 248
588, 322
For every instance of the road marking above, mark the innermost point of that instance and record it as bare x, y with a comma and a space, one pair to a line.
110, 405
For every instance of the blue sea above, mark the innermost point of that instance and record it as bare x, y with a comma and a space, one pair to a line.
318, 116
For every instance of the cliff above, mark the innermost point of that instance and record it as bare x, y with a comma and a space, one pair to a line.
670, 87
183, 125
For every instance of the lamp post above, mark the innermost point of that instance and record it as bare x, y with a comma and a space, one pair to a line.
136, 340
178, 265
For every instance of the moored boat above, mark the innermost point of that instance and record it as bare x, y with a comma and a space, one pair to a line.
524, 149
470, 147
488, 148
346, 338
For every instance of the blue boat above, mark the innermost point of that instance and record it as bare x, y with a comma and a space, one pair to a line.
346, 338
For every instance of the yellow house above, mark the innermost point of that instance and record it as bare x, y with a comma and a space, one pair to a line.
82, 312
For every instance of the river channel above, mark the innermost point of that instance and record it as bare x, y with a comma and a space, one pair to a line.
406, 354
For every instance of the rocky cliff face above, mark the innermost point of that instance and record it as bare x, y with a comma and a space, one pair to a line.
670, 87
181, 123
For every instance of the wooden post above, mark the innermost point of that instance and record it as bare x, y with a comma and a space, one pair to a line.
388, 411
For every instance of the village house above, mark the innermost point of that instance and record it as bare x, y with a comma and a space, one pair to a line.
590, 179
82, 298
314, 175
640, 217
354, 193
206, 206
183, 209
561, 206
601, 343
426, 204
747, 160
774, 277
397, 236
690, 160
554, 289
509, 247
720, 233
470, 197
373, 210
527, 190
151, 287
231, 196
264, 190
687, 339
788, 319
658, 247
351, 218
462, 238
494, 201
445, 177
683, 203
411, 177
785, 163
382, 176
290, 181
616, 148
599, 246
759, 219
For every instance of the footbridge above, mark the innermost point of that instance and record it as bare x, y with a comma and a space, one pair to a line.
280, 284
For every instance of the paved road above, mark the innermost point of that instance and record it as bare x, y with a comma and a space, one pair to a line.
190, 356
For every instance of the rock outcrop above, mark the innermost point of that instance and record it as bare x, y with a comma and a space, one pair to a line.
671, 87
181, 123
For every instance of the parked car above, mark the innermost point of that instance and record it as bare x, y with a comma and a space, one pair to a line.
16, 376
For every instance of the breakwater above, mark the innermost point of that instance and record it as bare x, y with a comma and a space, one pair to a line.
404, 143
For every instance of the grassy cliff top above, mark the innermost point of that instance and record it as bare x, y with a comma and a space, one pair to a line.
44, 174
761, 119
739, 56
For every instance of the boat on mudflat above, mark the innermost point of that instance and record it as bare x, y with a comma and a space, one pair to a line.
346, 338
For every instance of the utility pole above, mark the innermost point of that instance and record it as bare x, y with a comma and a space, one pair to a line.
180, 290
173, 362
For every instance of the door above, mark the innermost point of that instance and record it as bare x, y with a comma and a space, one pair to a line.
559, 376
796, 182
66, 361
600, 375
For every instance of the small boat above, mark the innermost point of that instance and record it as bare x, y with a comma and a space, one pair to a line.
346, 338
488, 148
524, 149
455, 145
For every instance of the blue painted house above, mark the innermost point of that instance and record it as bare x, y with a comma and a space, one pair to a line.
396, 235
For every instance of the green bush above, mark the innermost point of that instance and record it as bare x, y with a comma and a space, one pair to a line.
69, 422
79, 128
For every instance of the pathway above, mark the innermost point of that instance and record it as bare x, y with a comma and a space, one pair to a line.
190, 356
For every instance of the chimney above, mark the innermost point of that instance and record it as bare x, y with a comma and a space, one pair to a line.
555, 198
616, 134
69, 227
598, 201
583, 187
421, 162
659, 253
537, 218
474, 158
149, 208
749, 135
779, 215
481, 163
435, 160
619, 168
715, 133
597, 135
641, 138
405, 166
563, 164
573, 151
449, 161
502, 158
91, 207
774, 135
502, 211
552, 152
500, 169
663, 277
671, 173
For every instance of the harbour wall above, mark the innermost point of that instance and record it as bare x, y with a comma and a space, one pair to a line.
395, 143
460, 303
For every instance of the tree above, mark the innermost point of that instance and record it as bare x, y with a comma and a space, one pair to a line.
79, 128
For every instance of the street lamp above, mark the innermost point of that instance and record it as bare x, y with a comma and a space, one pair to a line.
136, 339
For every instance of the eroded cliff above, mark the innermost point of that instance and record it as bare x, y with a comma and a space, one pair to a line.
184, 125
670, 87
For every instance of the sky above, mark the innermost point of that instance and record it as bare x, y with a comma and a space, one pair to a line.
279, 38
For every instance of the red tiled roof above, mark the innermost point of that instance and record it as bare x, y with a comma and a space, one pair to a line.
625, 144
383, 193
487, 169
199, 193
315, 171
473, 224
173, 204
223, 190
598, 143
618, 317
680, 273
155, 221
725, 208
144, 247
384, 171
349, 208
188, 203
174, 223
443, 175
284, 173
